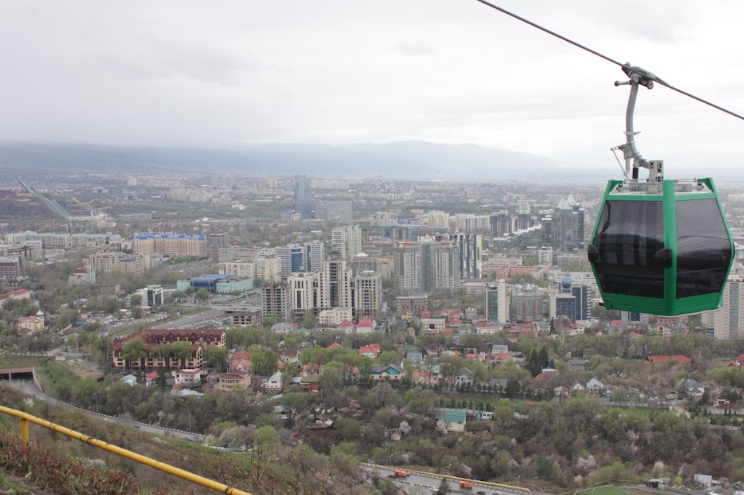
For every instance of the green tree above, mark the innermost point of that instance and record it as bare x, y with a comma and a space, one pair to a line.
202, 294
134, 349
309, 322
135, 300
218, 358
295, 402
444, 488
264, 362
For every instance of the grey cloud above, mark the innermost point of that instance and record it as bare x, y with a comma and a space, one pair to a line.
414, 49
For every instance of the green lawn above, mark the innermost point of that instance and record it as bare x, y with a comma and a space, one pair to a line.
22, 361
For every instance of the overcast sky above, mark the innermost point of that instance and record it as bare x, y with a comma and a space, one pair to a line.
223, 74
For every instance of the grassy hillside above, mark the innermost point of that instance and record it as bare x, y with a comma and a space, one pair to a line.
71, 466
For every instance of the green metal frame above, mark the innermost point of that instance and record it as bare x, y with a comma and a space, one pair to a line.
669, 305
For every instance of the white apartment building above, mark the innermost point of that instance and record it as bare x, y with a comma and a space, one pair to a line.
335, 316
728, 322
347, 241
368, 295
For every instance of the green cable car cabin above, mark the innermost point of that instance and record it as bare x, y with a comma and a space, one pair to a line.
659, 246
665, 253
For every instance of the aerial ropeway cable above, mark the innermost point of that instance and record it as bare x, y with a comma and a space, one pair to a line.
659, 246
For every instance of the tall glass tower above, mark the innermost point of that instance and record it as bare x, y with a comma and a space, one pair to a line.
303, 196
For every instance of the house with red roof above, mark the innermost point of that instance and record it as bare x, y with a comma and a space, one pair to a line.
371, 350
154, 340
16, 294
335, 345
347, 326
367, 325
151, 379
187, 377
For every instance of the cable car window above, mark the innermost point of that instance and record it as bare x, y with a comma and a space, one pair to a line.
630, 233
703, 248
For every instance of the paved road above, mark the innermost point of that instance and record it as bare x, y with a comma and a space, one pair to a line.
193, 321
25, 386
430, 483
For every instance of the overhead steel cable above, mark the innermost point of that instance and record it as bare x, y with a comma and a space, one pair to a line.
605, 57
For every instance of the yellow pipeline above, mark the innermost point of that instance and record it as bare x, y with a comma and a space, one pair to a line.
25, 418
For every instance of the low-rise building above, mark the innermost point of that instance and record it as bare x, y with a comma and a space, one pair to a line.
389, 372
187, 377
234, 381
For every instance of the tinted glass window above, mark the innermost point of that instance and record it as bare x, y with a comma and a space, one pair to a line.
703, 248
630, 233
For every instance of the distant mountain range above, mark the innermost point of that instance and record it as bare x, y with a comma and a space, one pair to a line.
402, 160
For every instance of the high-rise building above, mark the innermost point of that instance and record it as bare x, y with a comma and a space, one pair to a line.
572, 301
290, 258
347, 241
336, 284
313, 256
408, 268
305, 293
527, 300
303, 197
497, 307
276, 300
500, 223
363, 262
728, 322
215, 242
367, 295
469, 246
427, 266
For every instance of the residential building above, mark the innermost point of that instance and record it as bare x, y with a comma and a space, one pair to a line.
335, 316
429, 266
10, 267
228, 382
363, 262
313, 256
216, 243
469, 251
335, 284
29, 324
389, 372
154, 339
305, 293
496, 305
15, 295
188, 377
433, 324
276, 300
728, 322
290, 259
413, 304
368, 295
171, 245
274, 383
347, 241
454, 418
238, 269
527, 300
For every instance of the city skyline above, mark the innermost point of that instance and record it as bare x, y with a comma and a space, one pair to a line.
182, 74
